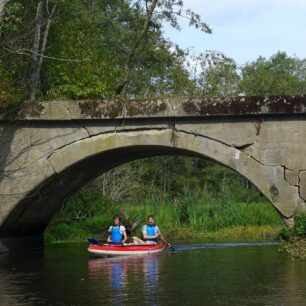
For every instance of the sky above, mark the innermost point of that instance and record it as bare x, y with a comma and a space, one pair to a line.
246, 29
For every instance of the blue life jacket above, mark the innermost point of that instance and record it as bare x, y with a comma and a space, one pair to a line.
116, 235
151, 232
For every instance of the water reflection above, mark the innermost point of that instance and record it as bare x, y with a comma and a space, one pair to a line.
18, 283
128, 277
193, 275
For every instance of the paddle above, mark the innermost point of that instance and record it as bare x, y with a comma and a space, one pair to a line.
167, 243
94, 241
170, 247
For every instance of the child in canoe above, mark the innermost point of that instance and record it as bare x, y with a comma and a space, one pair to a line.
117, 232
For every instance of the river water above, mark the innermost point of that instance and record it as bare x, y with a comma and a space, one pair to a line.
195, 274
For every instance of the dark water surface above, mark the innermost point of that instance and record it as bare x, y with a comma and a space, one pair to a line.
196, 274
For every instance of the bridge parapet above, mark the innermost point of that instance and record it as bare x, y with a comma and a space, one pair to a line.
158, 108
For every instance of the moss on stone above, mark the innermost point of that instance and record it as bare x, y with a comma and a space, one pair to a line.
31, 110
90, 108
144, 107
245, 105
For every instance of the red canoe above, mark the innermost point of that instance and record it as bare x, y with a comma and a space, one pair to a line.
127, 249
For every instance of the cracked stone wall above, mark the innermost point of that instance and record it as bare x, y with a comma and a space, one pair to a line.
43, 162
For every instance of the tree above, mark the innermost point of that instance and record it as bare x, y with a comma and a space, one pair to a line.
43, 21
154, 12
91, 49
280, 74
25, 29
220, 77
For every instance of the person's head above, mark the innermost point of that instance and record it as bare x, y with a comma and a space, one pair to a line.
116, 220
150, 220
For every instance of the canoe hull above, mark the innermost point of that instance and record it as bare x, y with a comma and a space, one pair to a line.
125, 250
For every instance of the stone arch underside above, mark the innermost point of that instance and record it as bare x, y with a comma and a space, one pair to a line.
74, 164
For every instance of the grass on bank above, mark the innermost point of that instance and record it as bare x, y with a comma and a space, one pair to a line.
191, 216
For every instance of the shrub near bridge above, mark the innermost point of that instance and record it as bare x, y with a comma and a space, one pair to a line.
295, 238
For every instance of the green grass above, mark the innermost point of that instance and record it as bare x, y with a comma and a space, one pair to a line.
191, 215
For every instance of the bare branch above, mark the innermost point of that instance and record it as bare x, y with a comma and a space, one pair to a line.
29, 52
120, 88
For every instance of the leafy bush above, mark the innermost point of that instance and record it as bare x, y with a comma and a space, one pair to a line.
298, 231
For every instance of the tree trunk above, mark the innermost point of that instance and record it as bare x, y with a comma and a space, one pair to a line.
39, 44
3, 4
126, 70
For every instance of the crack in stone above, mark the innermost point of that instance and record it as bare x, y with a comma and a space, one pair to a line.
65, 145
125, 130
83, 126
243, 147
50, 163
226, 144
204, 136
103, 133
299, 186
286, 168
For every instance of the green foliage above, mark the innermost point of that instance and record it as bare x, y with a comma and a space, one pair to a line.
195, 210
296, 248
12, 18
65, 231
15, 29
88, 47
278, 75
221, 78
94, 46
298, 231
211, 212
295, 238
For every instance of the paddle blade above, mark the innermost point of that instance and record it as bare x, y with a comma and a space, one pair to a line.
93, 241
171, 247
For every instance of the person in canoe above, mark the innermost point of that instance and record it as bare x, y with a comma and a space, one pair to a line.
117, 232
151, 233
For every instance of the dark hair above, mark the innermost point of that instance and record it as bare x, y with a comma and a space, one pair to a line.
150, 216
117, 217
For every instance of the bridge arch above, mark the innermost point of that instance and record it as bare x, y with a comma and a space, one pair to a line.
77, 163
51, 149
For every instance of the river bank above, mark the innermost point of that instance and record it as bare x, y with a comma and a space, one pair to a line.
193, 215
184, 234
295, 248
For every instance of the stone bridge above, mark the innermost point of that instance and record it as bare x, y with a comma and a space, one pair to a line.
48, 150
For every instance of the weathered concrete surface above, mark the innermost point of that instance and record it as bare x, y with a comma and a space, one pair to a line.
167, 107
55, 148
